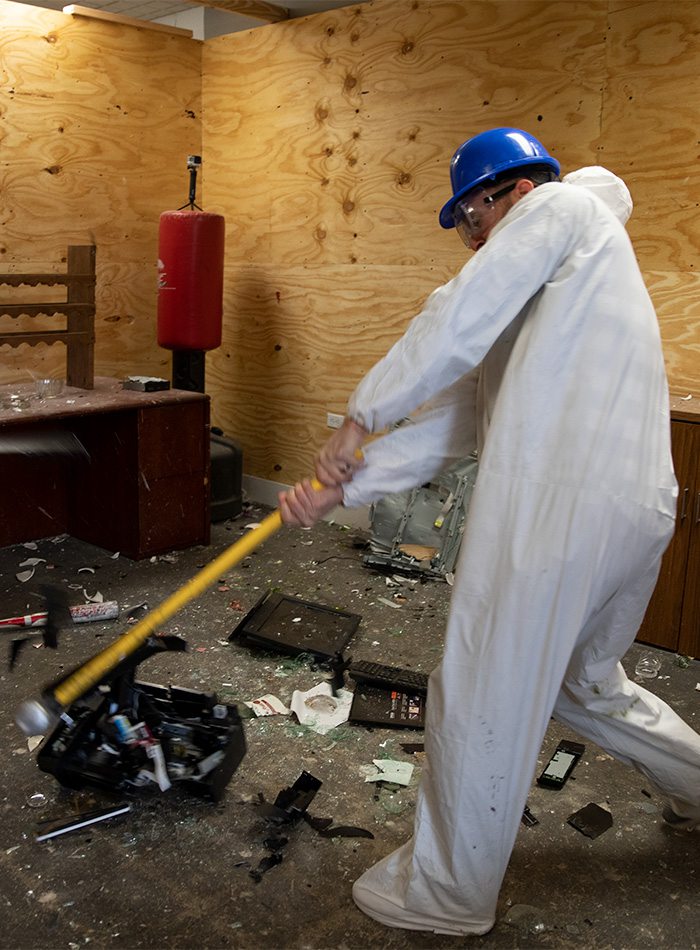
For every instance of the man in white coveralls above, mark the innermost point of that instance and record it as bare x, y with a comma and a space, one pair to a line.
544, 354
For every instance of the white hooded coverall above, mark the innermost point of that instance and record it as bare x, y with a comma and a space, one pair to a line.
544, 354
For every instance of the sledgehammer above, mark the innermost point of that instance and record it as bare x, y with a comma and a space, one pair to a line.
37, 716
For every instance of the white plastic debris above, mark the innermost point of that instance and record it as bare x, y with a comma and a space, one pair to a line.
96, 598
268, 705
389, 603
319, 709
391, 770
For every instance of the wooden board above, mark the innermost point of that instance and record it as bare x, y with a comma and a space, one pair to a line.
328, 140
326, 145
289, 355
98, 120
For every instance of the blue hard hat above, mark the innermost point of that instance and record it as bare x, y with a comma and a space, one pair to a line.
488, 154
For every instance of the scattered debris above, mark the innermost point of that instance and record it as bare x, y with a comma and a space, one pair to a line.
96, 598
591, 820
268, 705
390, 770
51, 828
647, 666
81, 613
525, 918
289, 807
319, 709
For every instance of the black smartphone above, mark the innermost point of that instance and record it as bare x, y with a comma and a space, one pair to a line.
561, 765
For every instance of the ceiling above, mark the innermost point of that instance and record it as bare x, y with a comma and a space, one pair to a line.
207, 17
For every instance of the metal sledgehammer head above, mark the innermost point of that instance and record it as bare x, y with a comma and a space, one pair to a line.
35, 717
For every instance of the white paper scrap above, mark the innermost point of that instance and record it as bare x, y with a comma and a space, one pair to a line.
33, 561
389, 603
24, 576
319, 709
268, 705
391, 770
96, 598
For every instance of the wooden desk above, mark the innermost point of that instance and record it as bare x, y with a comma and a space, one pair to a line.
145, 489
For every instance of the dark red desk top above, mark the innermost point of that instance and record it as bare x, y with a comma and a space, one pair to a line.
107, 396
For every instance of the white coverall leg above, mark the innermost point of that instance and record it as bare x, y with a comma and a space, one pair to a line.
573, 508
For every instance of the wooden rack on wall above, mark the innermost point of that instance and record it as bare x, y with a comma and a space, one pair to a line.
78, 308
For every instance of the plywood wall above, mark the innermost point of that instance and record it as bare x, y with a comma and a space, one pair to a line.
326, 145
650, 134
328, 142
96, 122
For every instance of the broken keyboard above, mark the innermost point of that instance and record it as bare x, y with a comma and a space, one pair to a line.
388, 677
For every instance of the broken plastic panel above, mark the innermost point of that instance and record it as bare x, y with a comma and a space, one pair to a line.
293, 626
591, 820
430, 517
372, 706
129, 734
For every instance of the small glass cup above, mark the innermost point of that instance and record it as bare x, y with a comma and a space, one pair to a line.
48, 388
648, 666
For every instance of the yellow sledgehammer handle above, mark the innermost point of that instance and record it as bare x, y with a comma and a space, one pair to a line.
92, 671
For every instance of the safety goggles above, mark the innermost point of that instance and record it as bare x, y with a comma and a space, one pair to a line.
475, 214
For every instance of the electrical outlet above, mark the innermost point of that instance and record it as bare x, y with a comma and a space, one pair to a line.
334, 420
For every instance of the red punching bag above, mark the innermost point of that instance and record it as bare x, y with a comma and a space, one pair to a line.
190, 280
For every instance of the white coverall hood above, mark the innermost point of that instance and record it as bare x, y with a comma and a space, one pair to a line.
611, 190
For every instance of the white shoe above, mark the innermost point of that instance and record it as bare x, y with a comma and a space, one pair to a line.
681, 822
370, 895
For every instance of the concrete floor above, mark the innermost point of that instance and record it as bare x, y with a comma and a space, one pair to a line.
175, 872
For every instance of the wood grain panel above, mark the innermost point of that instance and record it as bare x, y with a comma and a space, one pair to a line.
328, 143
343, 125
97, 122
676, 297
295, 344
649, 132
125, 327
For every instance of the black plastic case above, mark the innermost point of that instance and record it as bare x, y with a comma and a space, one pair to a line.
75, 751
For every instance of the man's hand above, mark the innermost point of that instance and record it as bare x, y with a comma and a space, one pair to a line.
303, 505
340, 458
